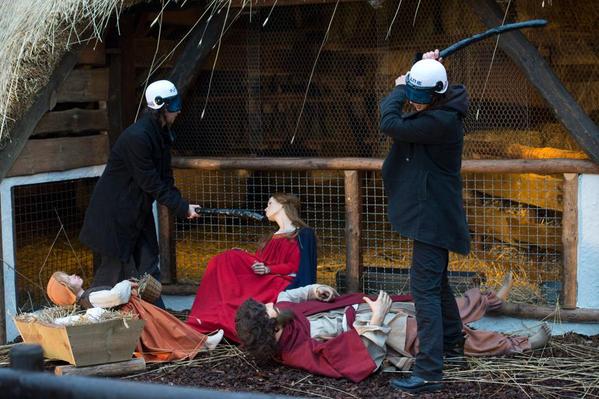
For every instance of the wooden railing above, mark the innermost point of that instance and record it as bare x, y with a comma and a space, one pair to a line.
352, 167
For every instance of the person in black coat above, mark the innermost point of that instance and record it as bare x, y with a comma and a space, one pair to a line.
119, 222
422, 181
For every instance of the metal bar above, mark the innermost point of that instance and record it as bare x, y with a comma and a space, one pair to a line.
541, 166
31, 385
353, 210
570, 240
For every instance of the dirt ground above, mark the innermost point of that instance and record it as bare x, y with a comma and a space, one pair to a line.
567, 368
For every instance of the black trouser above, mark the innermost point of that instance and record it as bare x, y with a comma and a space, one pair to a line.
437, 314
143, 260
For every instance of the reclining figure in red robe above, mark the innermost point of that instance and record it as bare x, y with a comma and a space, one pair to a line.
350, 336
284, 260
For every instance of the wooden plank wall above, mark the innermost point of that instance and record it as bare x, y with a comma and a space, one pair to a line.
73, 134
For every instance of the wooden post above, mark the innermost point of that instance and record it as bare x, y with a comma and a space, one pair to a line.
570, 240
167, 244
353, 210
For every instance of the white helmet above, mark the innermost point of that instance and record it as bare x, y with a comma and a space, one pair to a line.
163, 92
425, 78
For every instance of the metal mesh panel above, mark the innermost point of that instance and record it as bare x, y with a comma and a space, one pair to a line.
524, 238
257, 94
321, 195
42, 246
260, 77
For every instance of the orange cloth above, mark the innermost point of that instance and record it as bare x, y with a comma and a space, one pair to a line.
59, 293
164, 338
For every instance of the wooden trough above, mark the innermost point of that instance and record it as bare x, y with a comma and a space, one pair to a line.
84, 344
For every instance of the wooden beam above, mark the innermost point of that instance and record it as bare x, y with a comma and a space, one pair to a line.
72, 120
92, 54
541, 76
104, 370
512, 229
44, 101
48, 155
526, 188
540, 166
570, 240
179, 289
546, 313
353, 210
84, 85
167, 245
189, 63
519, 151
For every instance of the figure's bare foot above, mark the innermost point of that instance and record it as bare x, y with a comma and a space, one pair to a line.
506, 287
213, 340
541, 337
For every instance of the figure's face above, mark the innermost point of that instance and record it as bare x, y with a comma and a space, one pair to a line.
75, 282
169, 117
419, 107
273, 208
271, 310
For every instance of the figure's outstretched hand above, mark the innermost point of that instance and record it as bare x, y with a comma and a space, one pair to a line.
400, 80
191, 212
325, 293
379, 308
432, 55
260, 268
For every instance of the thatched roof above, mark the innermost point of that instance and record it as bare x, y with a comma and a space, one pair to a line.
34, 36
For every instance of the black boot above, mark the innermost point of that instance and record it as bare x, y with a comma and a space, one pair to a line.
416, 384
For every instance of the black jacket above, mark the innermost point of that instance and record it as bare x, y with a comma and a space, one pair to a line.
422, 171
138, 172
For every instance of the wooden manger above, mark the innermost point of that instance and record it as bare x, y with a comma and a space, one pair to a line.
82, 345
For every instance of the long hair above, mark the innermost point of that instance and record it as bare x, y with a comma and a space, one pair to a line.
291, 206
256, 330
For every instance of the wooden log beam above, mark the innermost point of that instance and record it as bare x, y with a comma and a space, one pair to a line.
541, 76
353, 210
167, 245
189, 63
547, 313
72, 120
104, 370
45, 100
525, 188
179, 289
540, 166
65, 153
570, 240
84, 85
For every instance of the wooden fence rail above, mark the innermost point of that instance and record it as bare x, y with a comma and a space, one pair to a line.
352, 167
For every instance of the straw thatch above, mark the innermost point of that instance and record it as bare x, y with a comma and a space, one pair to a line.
35, 34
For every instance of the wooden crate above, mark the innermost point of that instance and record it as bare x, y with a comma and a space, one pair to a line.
86, 344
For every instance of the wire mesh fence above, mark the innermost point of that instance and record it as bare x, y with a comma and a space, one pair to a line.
274, 82
515, 222
47, 219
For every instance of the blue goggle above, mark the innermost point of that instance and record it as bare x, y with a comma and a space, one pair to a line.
172, 104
